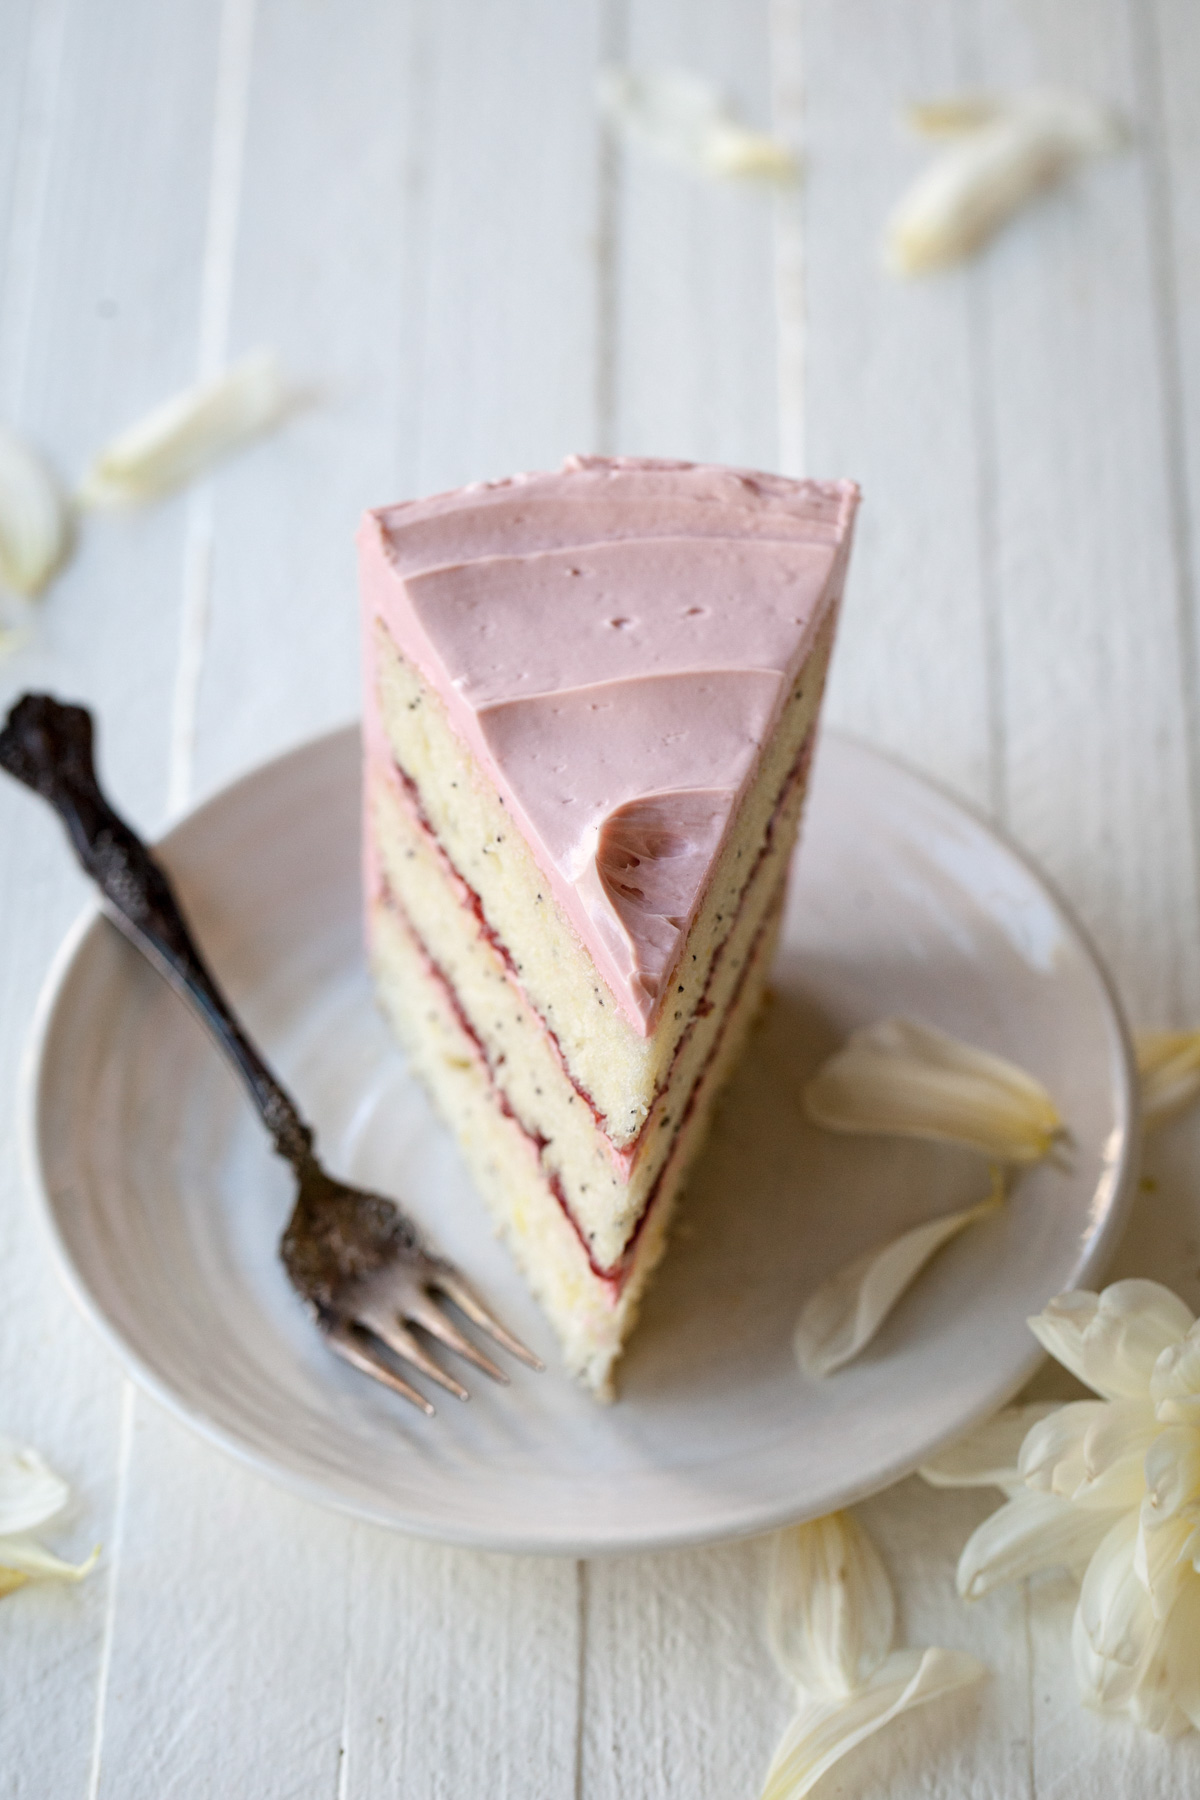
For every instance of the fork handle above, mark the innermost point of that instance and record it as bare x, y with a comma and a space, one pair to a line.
48, 746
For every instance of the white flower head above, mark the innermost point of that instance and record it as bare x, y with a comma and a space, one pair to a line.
1111, 1488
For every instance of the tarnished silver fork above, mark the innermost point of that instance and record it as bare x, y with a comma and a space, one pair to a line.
355, 1259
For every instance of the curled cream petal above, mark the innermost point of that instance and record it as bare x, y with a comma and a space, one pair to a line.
1175, 1381
987, 1456
34, 521
188, 433
683, 118
1113, 1340
1161, 1559
1028, 1533
831, 1613
1091, 1452
1114, 1606
844, 1314
901, 1078
1172, 1466
825, 1729
988, 174
23, 1559
1181, 1637
30, 1491
1169, 1070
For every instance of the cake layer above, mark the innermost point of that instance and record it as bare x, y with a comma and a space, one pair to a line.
617, 1070
616, 645
605, 1187
592, 1310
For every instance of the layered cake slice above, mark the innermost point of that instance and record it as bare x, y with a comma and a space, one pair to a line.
590, 711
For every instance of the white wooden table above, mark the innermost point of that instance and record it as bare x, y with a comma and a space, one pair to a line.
411, 199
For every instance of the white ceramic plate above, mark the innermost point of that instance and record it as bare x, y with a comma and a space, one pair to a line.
165, 1205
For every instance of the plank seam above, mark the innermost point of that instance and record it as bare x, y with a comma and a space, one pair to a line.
39, 110
786, 36
230, 109
582, 1596
124, 1460
614, 48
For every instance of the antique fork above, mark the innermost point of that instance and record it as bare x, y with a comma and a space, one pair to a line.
352, 1256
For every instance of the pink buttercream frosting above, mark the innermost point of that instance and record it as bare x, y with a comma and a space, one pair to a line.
615, 642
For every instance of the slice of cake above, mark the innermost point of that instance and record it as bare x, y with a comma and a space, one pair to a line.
591, 705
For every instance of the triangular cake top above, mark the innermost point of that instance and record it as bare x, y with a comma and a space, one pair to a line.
615, 642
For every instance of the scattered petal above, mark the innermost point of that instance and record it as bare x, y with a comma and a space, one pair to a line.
1169, 1068
830, 1613
1028, 1533
23, 1559
901, 1078
1017, 148
188, 433
845, 1313
987, 1456
826, 1728
953, 116
1113, 1340
684, 119
30, 1491
34, 522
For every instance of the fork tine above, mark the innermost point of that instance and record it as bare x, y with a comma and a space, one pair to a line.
346, 1343
398, 1338
426, 1313
451, 1283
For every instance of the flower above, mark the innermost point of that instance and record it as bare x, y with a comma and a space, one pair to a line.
30, 1495
831, 1618
1111, 1487
901, 1078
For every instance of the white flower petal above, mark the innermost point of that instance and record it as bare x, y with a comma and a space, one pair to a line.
1169, 1069
23, 1559
830, 1612
1172, 1473
30, 1491
1115, 1608
1181, 1651
1030, 1532
1175, 1381
824, 1730
1162, 1559
188, 433
1112, 1340
987, 1456
684, 119
846, 1311
1152, 1705
988, 174
1091, 1452
34, 521
899, 1078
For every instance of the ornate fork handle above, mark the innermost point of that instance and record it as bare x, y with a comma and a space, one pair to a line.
48, 746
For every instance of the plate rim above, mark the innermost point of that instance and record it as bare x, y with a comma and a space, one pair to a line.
616, 1542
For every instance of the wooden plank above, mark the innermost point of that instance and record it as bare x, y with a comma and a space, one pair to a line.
95, 296
446, 328
694, 335
889, 396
